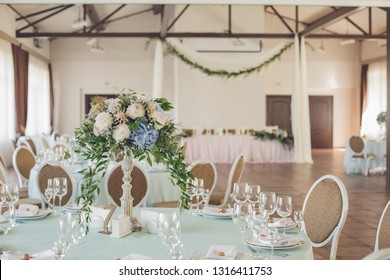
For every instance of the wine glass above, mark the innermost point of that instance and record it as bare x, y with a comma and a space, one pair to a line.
61, 185
205, 198
253, 194
272, 237
7, 221
240, 191
59, 249
284, 209
299, 219
267, 201
242, 213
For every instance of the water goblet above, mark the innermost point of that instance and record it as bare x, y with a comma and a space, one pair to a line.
7, 222
242, 213
299, 220
240, 191
258, 226
267, 202
284, 208
61, 185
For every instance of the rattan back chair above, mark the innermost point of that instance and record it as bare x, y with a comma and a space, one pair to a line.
3, 174
23, 161
383, 232
3, 163
28, 142
205, 170
45, 143
382, 254
357, 145
235, 175
50, 170
325, 210
139, 180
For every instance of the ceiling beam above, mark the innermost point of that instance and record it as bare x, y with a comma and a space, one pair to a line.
93, 16
178, 16
40, 12
281, 19
106, 18
19, 14
194, 35
352, 22
329, 18
45, 17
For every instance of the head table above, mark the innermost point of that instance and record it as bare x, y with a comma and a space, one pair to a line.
198, 234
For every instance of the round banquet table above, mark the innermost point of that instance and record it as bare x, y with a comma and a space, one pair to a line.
198, 234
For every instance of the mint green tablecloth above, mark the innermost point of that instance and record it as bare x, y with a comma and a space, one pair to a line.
198, 234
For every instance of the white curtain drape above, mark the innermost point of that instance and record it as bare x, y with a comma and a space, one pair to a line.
376, 99
230, 64
300, 105
38, 111
158, 70
7, 101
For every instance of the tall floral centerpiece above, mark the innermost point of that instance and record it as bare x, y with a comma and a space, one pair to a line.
381, 120
135, 127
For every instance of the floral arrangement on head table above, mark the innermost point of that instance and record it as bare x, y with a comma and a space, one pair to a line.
382, 118
129, 122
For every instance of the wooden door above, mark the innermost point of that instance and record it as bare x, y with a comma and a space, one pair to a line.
321, 121
279, 111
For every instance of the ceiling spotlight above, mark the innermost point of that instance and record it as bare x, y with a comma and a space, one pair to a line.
347, 42
80, 23
91, 42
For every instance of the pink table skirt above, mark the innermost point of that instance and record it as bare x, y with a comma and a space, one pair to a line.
225, 148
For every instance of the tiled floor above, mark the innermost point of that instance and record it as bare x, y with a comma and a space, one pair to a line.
367, 196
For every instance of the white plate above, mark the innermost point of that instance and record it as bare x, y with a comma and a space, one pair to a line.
293, 243
289, 223
41, 213
215, 216
214, 212
72, 207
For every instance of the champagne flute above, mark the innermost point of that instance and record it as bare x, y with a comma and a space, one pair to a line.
284, 209
50, 193
61, 185
199, 192
191, 192
267, 202
299, 219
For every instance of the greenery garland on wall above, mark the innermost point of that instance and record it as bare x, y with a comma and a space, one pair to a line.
224, 73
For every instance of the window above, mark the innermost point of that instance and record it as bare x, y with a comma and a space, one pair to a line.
38, 111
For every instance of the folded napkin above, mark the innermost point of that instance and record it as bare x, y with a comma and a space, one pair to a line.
221, 252
279, 222
215, 211
26, 210
134, 256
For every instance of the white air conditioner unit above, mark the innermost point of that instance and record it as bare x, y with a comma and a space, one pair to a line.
223, 44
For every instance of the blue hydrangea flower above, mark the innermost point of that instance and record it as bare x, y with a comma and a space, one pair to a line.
145, 137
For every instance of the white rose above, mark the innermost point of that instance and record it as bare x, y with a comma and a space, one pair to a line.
121, 132
135, 110
112, 104
160, 118
103, 121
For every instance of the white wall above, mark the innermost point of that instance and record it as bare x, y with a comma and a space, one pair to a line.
204, 101
373, 50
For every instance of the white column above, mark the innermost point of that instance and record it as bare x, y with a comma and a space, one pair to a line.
158, 69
